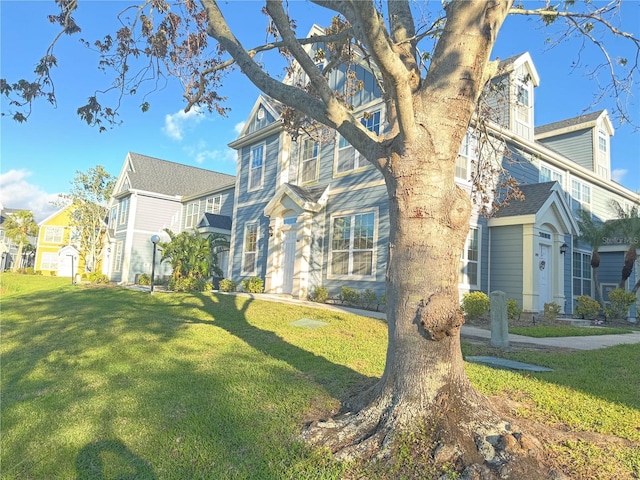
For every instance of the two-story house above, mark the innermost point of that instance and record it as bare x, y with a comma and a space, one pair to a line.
58, 246
151, 195
8, 247
311, 211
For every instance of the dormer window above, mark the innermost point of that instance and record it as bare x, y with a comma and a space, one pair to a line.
603, 155
523, 108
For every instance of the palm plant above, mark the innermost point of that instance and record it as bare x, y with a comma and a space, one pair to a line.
594, 234
628, 226
19, 227
218, 243
188, 253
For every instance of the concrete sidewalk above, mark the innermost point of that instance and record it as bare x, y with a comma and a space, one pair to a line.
592, 342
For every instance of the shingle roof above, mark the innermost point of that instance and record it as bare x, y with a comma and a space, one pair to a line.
215, 221
170, 178
535, 195
569, 122
5, 212
311, 194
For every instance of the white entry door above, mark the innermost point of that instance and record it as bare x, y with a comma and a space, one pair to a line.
66, 265
545, 276
288, 260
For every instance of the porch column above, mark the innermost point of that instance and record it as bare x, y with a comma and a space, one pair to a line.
303, 256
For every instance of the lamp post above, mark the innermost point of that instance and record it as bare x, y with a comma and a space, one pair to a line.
154, 239
73, 280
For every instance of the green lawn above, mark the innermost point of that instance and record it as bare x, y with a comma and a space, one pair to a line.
106, 383
544, 331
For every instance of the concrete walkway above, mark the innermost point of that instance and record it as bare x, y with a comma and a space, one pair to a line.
592, 342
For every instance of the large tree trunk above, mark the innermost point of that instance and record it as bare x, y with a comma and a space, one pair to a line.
424, 383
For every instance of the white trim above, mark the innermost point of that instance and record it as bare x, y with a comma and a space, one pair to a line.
374, 249
463, 259
243, 269
261, 168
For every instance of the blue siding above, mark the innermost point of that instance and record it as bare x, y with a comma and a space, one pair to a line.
520, 168
359, 201
577, 146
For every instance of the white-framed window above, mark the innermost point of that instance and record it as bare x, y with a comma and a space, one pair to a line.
191, 215
470, 260
468, 152
603, 155
113, 216
250, 248
117, 265
352, 248
523, 108
372, 121
348, 158
53, 234
49, 261
2, 235
550, 174
309, 155
124, 206
214, 204
256, 167
581, 274
580, 195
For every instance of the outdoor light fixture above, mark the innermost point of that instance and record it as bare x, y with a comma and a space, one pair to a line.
154, 239
563, 248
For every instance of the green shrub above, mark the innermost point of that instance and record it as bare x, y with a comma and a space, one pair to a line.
253, 285
513, 310
97, 277
619, 303
187, 284
28, 271
227, 285
475, 304
551, 310
587, 307
144, 279
349, 296
369, 298
383, 299
319, 294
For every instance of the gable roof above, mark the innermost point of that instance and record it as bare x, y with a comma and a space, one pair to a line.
6, 212
169, 178
535, 195
213, 220
510, 64
581, 122
541, 199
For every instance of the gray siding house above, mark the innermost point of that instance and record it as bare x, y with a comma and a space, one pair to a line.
151, 195
313, 212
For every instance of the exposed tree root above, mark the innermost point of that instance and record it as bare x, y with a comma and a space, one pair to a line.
464, 434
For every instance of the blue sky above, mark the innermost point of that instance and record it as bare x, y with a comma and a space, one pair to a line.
39, 158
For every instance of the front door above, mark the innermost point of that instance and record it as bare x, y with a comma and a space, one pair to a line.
288, 260
545, 275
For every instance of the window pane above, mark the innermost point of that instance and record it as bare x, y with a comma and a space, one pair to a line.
362, 263
340, 263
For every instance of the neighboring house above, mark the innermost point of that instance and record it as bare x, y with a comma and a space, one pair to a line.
312, 212
9, 248
151, 195
58, 246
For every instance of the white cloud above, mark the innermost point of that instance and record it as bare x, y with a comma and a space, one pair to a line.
216, 156
617, 174
16, 192
175, 124
238, 127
